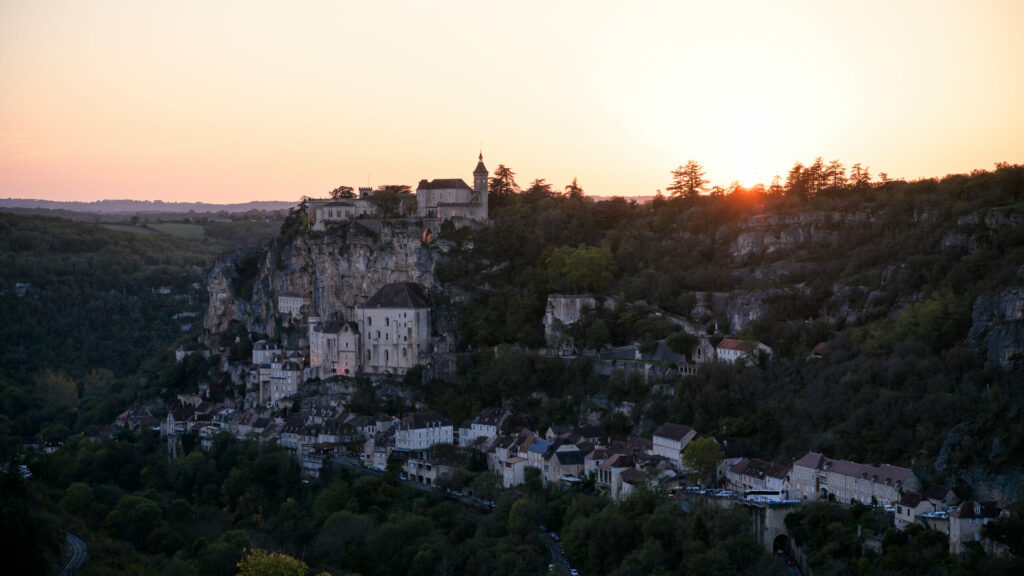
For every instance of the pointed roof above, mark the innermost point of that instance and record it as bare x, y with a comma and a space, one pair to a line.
480, 168
398, 295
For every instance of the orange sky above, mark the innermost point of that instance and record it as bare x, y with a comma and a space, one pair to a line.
235, 101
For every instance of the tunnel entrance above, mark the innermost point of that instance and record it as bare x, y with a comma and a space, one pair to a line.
781, 545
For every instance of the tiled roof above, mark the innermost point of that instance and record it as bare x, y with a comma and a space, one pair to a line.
443, 184
910, 500
731, 344
756, 468
398, 295
672, 431
936, 492
884, 474
971, 509
422, 420
570, 458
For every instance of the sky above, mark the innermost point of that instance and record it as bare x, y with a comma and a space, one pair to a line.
232, 101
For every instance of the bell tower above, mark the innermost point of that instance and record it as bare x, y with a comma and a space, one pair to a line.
480, 186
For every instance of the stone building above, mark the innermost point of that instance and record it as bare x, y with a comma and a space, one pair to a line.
394, 328
814, 476
441, 199
323, 211
334, 348
453, 198
293, 304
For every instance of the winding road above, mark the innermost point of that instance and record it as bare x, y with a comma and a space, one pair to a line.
79, 554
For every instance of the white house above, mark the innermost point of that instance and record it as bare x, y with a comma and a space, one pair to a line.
730, 350
670, 440
422, 430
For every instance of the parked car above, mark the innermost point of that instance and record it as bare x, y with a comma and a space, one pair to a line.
555, 537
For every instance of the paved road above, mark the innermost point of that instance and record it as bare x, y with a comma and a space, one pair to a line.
79, 554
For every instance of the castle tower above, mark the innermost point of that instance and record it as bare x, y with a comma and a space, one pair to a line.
480, 185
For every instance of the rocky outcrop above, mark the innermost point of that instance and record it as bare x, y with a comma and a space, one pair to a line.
768, 235
336, 271
997, 331
220, 281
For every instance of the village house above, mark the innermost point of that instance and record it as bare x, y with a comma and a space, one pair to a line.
483, 428
814, 476
285, 377
966, 520
609, 475
731, 351
422, 430
670, 440
263, 352
394, 328
751, 474
934, 501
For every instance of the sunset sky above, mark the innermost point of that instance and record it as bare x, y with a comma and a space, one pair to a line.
235, 101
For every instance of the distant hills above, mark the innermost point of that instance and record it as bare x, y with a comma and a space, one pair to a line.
139, 206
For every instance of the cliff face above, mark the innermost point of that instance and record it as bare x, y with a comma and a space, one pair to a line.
336, 271
769, 235
220, 281
998, 328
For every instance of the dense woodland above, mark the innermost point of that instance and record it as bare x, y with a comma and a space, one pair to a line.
92, 334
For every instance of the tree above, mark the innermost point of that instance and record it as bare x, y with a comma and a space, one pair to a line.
584, 268
702, 456
836, 175
859, 177
264, 563
688, 181
56, 389
503, 183
796, 182
681, 343
538, 190
343, 192
389, 198
573, 191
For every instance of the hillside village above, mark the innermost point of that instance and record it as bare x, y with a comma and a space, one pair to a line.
298, 385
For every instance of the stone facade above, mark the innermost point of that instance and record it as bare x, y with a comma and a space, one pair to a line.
394, 328
334, 348
814, 476
452, 198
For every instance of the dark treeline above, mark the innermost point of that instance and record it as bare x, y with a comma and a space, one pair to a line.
894, 382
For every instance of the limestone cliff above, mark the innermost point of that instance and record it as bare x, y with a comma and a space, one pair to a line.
998, 328
768, 235
337, 271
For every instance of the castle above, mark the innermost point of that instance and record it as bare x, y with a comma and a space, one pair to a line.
440, 199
